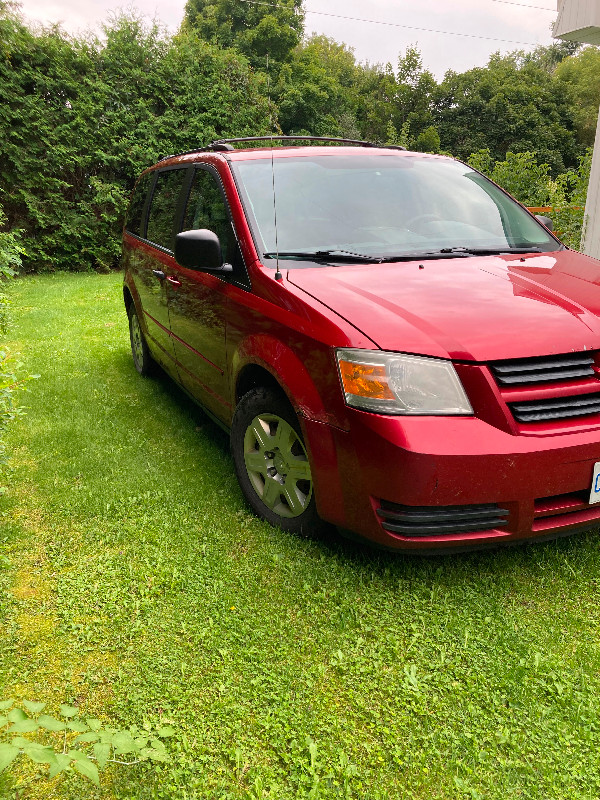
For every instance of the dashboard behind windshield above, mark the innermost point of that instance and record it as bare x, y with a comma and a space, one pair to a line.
380, 205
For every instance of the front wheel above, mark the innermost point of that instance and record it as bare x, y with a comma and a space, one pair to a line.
271, 462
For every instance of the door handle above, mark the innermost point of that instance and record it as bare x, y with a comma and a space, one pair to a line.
159, 274
174, 282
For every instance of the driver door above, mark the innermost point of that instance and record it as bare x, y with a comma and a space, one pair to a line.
197, 306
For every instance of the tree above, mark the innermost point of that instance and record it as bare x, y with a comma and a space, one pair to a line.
316, 91
415, 88
258, 30
42, 169
581, 73
507, 105
396, 107
548, 57
428, 141
375, 103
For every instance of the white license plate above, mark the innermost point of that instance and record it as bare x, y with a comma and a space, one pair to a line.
595, 491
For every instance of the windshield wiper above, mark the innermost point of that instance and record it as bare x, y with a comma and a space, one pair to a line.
350, 257
324, 255
490, 251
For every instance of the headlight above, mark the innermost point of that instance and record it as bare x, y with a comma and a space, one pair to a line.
393, 383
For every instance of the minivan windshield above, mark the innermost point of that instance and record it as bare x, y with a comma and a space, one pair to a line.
380, 207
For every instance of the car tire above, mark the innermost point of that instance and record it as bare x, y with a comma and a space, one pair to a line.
271, 462
142, 359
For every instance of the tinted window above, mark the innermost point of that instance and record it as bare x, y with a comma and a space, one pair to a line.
136, 205
206, 208
163, 207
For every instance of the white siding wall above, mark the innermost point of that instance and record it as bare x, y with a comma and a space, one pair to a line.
591, 239
579, 21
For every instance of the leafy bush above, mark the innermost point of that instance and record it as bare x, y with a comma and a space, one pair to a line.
428, 141
568, 197
11, 251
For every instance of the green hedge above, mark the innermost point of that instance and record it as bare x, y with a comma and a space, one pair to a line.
80, 118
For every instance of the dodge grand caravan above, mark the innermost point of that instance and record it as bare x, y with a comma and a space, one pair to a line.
395, 345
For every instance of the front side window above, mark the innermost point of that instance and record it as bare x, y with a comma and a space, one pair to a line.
206, 209
163, 207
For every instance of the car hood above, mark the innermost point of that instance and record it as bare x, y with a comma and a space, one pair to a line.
476, 308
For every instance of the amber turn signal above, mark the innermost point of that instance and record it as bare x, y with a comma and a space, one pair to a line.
365, 380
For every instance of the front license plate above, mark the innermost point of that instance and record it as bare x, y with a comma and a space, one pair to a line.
595, 492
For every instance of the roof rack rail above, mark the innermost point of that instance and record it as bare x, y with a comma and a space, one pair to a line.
185, 153
227, 144
221, 146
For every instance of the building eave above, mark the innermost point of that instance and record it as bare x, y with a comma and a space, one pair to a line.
578, 21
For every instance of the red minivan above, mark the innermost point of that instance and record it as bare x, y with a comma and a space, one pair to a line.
396, 346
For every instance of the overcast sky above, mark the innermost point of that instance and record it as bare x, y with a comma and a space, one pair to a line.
523, 23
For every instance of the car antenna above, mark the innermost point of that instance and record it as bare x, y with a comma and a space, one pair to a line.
278, 275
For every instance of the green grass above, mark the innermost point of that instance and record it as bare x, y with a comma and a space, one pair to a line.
135, 583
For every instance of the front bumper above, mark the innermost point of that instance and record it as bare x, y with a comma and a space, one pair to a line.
540, 483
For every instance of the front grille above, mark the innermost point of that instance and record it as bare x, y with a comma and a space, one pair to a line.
550, 388
523, 371
580, 405
440, 520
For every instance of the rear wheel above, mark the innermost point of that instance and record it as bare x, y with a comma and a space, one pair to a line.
271, 462
139, 349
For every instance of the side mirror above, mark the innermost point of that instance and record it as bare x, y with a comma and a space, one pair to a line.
199, 249
546, 222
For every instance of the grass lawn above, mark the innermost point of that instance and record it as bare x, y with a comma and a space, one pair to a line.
135, 584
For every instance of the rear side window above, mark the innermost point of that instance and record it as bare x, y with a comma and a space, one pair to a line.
163, 207
135, 221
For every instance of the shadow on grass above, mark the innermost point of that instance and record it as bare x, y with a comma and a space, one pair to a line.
171, 392
527, 560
